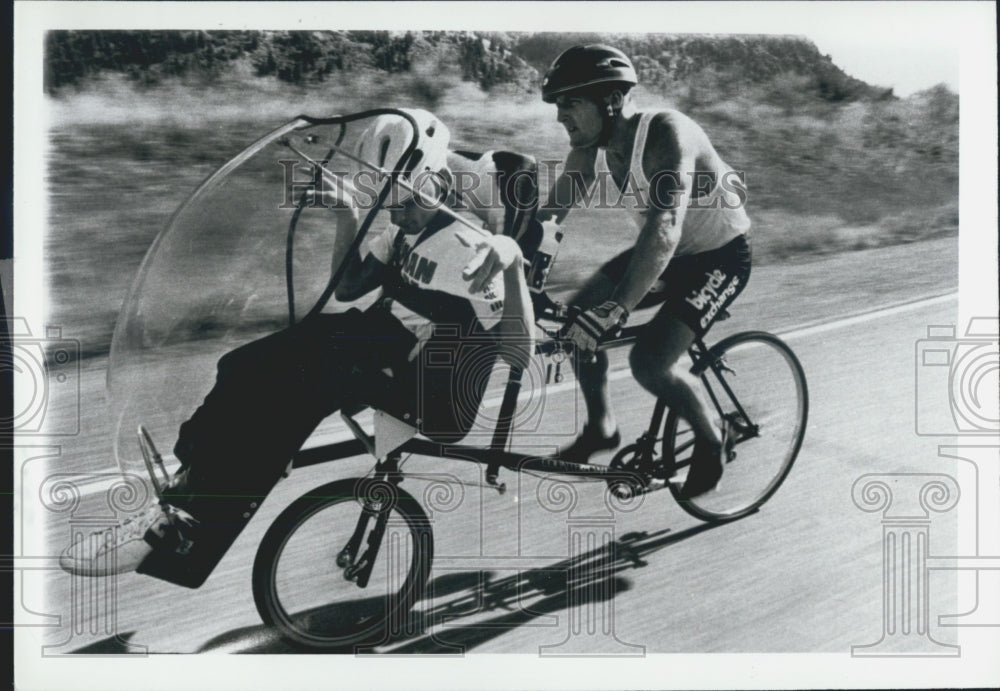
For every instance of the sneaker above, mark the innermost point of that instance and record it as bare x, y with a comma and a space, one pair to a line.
590, 441
122, 548
707, 464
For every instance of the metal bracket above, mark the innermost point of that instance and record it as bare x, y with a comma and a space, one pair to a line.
153, 460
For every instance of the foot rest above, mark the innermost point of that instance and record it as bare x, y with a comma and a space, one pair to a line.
390, 433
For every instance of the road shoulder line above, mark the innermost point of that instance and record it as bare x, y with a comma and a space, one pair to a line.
92, 487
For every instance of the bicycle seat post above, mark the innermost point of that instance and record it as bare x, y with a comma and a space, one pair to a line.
389, 467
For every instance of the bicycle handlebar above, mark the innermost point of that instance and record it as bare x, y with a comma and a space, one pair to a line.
553, 345
551, 310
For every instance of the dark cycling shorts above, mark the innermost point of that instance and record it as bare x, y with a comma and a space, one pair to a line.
694, 288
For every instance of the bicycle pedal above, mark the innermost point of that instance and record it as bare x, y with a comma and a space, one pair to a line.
630, 490
656, 483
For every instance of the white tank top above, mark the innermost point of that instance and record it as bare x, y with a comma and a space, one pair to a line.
431, 264
710, 222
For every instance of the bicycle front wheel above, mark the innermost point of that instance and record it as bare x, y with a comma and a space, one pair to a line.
757, 384
343, 565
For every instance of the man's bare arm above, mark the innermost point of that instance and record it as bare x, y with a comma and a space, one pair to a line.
654, 249
517, 323
668, 165
577, 177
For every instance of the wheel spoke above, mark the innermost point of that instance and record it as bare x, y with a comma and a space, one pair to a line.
310, 583
761, 391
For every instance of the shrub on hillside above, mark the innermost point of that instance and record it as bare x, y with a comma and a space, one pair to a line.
489, 63
147, 56
652, 75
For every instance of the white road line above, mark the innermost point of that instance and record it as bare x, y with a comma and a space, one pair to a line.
810, 330
88, 488
797, 332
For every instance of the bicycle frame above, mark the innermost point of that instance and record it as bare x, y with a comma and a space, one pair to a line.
635, 469
495, 456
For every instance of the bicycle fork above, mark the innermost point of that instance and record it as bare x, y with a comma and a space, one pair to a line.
359, 569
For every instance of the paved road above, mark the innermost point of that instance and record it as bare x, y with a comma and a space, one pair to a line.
803, 574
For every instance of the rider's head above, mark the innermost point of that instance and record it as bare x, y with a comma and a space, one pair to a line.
425, 170
590, 85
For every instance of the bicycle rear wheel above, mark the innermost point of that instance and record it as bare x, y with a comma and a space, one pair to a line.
758, 384
308, 576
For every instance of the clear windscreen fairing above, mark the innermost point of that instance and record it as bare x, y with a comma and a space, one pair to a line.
247, 253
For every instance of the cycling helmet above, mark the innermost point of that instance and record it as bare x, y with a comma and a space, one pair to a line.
583, 66
385, 141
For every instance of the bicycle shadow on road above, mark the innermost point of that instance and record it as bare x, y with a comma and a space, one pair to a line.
456, 613
455, 626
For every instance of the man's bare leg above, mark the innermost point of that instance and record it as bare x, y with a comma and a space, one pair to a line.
656, 365
593, 374
593, 378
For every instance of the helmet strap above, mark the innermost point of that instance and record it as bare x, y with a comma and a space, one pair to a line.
609, 119
605, 136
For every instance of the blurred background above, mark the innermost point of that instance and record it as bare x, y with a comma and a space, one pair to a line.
834, 165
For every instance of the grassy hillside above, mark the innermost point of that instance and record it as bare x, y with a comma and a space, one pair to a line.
488, 59
826, 175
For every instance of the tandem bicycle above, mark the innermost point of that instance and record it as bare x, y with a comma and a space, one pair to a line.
346, 561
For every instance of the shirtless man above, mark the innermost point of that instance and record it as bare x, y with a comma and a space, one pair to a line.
691, 254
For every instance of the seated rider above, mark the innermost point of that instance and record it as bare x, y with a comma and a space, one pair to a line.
271, 394
691, 254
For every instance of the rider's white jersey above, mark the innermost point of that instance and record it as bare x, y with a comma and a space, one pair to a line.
430, 287
710, 222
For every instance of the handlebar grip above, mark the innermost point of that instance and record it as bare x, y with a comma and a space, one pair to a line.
550, 346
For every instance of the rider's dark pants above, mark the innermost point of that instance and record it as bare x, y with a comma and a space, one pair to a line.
270, 395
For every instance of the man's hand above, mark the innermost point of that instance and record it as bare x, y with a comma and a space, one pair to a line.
494, 253
587, 328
